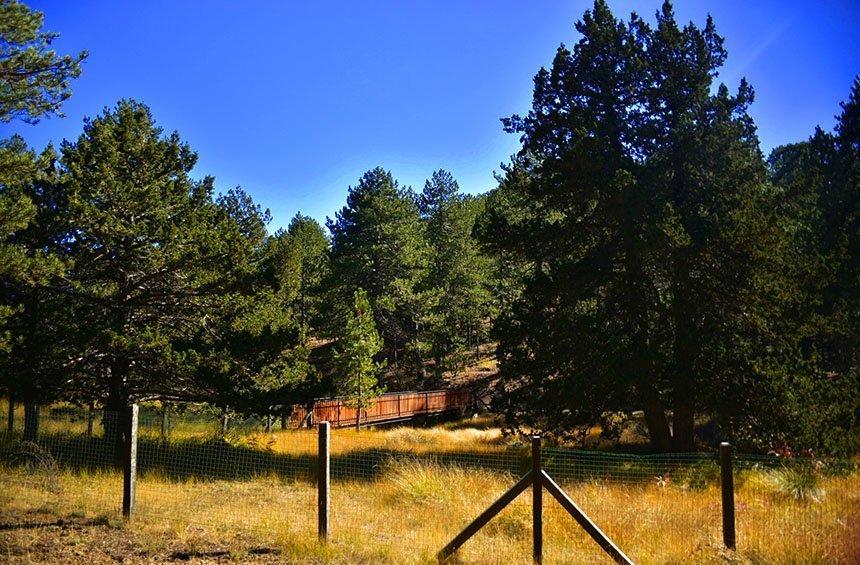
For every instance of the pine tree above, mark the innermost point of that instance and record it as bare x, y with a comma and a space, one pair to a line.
358, 345
577, 341
33, 318
302, 265
704, 164
254, 356
639, 204
152, 253
34, 80
455, 283
378, 245
821, 191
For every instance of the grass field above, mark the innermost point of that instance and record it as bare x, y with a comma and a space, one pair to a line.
401, 494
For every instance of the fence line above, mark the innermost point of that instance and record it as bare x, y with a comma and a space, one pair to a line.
293, 473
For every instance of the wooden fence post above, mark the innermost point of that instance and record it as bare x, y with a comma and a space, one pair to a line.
323, 480
164, 410
129, 471
537, 502
728, 491
90, 408
31, 421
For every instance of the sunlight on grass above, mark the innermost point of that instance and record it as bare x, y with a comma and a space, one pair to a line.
415, 507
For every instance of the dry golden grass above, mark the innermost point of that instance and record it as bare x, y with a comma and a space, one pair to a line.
409, 509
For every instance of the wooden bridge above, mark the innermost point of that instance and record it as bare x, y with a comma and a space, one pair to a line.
385, 409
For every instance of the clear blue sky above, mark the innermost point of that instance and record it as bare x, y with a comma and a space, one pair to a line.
294, 100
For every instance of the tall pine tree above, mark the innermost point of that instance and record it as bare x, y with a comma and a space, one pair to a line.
639, 203
456, 281
378, 245
356, 348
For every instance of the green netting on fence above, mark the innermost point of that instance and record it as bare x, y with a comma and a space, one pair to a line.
412, 489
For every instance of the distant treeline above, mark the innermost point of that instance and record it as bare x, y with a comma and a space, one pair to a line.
639, 253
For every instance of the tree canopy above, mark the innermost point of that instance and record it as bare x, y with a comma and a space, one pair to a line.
654, 243
639, 257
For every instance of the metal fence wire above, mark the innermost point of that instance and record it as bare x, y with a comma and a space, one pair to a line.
401, 493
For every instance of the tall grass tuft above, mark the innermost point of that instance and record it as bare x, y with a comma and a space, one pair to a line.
416, 479
800, 482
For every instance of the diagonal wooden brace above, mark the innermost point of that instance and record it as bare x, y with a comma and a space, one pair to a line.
485, 517
584, 521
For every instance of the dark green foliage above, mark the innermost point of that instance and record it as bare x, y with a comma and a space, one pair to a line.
358, 344
378, 244
455, 286
638, 254
254, 358
140, 240
34, 80
301, 265
169, 280
640, 208
32, 315
821, 186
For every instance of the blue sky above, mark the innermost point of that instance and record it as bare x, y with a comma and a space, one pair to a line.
295, 100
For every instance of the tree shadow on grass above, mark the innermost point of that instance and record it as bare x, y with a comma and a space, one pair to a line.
66, 524
216, 459
219, 554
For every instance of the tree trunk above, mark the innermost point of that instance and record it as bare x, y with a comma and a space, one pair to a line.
683, 424
437, 359
283, 422
90, 420
164, 421
655, 419
358, 418
268, 423
31, 422
116, 411
10, 417
685, 347
115, 419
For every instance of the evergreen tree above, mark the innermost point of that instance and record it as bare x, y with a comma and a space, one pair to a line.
503, 211
34, 80
822, 194
576, 342
33, 317
302, 265
357, 346
17, 168
378, 245
638, 203
455, 282
254, 356
703, 164
151, 253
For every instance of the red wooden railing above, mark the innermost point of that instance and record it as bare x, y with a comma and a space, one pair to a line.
390, 407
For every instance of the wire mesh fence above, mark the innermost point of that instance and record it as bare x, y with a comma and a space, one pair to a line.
400, 494
59, 466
